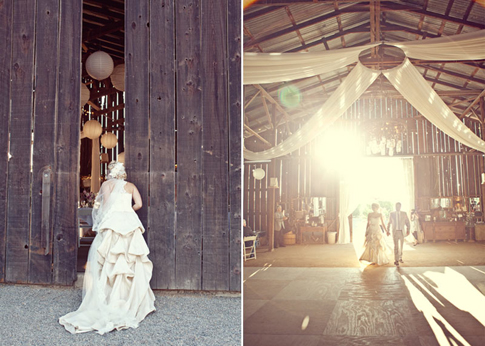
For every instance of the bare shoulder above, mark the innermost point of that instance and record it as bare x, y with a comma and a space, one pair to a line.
130, 187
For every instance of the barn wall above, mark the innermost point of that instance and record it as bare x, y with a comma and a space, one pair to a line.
182, 138
40, 71
443, 166
182, 135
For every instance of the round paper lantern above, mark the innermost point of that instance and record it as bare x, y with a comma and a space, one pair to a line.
118, 77
92, 129
109, 140
85, 94
121, 157
258, 173
99, 65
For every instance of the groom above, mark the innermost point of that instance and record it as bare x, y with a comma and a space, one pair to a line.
398, 219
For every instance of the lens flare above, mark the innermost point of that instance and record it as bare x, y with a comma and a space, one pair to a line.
289, 96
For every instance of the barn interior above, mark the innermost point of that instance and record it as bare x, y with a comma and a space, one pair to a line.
325, 157
102, 98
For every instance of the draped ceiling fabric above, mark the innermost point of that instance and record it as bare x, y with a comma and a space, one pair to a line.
405, 78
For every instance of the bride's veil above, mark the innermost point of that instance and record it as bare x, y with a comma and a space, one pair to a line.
107, 197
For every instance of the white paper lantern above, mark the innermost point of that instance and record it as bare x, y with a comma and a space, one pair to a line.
99, 65
258, 173
92, 129
109, 140
118, 77
121, 157
85, 94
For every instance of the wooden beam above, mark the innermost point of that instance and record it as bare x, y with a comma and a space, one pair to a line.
247, 128
451, 73
109, 110
252, 99
472, 104
267, 111
107, 29
272, 100
95, 106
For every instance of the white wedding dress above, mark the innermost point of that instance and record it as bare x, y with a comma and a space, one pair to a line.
116, 289
376, 249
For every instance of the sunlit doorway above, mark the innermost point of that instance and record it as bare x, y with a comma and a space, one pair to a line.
386, 181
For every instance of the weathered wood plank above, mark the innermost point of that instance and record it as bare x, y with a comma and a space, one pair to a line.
67, 143
216, 233
44, 135
137, 100
234, 84
22, 84
189, 142
5, 69
161, 239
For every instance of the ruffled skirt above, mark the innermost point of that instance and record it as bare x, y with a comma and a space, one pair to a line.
376, 249
116, 293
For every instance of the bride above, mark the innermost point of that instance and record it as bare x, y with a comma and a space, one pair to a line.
116, 289
375, 245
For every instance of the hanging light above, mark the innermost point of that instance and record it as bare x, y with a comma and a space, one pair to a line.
92, 129
118, 77
85, 94
99, 65
258, 173
109, 140
121, 157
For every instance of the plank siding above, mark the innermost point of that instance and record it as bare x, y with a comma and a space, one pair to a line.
215, 144
6, 19
189, 142
162, 144
67, 144
19, 180
137, 101
44, 134
234, 85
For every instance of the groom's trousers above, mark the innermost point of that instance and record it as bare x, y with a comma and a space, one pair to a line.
398, 237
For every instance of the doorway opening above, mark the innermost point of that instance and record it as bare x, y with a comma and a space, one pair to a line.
386, 181
103, 107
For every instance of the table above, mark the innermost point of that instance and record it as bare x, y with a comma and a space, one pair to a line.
303, 229
444, 230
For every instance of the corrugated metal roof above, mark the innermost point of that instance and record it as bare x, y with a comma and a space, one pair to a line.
272, 22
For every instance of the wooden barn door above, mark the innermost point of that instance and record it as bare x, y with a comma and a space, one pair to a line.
183, 129
40, 72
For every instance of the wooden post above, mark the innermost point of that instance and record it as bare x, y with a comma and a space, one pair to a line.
189, 143
215, 237
234, 84
482, 163
137, 101
271, 211
44, 156
5, 73
161, 238
67, 143
18, 179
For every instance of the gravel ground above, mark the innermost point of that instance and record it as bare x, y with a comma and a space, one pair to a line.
29, 314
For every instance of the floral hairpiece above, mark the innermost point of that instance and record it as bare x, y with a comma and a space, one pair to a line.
117, 169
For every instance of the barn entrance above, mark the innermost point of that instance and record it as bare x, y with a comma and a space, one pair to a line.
178, 123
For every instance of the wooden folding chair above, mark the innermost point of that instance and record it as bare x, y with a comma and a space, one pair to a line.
250, 249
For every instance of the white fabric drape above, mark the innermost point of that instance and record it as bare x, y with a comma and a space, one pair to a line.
470, 46
349, 201
412, 85
358, 80
262, 68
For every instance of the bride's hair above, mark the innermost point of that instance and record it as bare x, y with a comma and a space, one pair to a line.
116, 170
375, 206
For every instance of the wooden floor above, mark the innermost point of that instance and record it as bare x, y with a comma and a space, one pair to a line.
364, 306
